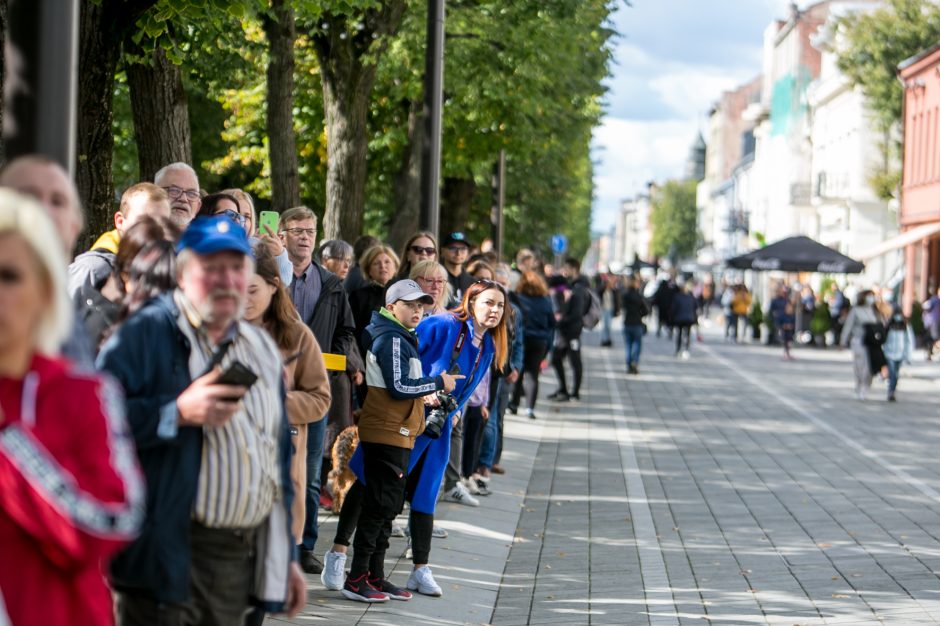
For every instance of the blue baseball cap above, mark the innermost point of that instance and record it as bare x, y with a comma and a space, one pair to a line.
206, 235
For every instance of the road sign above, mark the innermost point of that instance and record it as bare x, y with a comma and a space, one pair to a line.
559, 244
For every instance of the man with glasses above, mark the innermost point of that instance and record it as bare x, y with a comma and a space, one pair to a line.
181, 184
456, 251
321, 302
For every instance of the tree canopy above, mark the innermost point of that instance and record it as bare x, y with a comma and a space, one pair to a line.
523, 76
674, 218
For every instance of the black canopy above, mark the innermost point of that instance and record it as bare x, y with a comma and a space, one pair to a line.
797, 254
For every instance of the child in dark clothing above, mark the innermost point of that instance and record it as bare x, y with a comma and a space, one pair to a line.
390, 420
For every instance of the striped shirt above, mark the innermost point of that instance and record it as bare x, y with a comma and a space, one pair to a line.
239, 477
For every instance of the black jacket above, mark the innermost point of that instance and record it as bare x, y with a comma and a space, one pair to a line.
634, 307
683, 310
364, 302
571, 323
332, 322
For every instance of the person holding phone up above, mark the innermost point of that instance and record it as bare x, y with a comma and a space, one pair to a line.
205, 404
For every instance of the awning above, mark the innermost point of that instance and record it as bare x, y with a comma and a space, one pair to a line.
900, 241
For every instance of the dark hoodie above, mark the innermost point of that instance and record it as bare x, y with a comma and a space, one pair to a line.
393, 413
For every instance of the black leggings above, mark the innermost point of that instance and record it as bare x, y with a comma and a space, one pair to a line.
572, 349
683, 333
472, 440
421, 524
528, 381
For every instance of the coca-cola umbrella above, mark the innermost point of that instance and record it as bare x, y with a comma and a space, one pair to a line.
797, 254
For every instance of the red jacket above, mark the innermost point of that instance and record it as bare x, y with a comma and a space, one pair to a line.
70, 494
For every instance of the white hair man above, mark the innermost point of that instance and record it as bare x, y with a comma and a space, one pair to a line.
180, 182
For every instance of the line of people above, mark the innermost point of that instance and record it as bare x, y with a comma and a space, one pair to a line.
187, 351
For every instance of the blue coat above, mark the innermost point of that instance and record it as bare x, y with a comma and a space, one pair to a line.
436, 338
149, 356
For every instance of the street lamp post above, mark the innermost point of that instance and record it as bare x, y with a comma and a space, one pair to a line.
433, 105
41, 79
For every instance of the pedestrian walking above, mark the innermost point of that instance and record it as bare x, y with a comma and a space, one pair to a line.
863, 332
609, 295
898, 347
634, 308
931, 313
72, 494
662, 302
683, 315
786, 325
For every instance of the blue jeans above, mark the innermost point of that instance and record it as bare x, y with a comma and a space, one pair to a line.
316, 433
488, 450
633, 342
894, 369
606, 319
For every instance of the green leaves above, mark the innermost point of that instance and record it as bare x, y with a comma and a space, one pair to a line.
674, 218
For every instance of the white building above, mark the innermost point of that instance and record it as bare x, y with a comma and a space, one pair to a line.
632, 234
846, 149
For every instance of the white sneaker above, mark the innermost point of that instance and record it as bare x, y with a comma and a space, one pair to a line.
333, 575
685, 355
471, 486
422, 581
460, 495
398, 530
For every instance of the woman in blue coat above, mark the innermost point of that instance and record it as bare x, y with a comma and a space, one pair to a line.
478, 328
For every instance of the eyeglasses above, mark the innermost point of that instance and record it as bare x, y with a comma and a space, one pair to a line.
431, 281
176, 193
458, 249
297, 232
423, 250
235, 216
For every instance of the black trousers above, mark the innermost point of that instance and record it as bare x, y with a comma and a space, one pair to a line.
421, 524
570, 348
472, 440
385, 471
683, 334
528, 381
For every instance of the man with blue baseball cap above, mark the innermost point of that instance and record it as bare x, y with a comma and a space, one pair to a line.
204, 392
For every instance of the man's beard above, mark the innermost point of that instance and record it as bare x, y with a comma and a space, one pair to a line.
206, 309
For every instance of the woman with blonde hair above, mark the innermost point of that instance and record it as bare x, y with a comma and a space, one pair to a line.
72, 492
431, 276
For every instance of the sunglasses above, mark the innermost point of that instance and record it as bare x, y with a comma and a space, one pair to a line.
423, 250
235, 216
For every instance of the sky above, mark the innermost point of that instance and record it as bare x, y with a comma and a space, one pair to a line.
672, 60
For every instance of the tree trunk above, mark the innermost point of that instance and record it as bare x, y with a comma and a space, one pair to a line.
407, 182
348, 58
282, 143
160, 110
102, 27
456, 202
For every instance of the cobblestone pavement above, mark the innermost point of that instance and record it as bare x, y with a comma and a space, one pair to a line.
731, 488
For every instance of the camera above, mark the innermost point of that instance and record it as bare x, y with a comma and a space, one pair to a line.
437, 417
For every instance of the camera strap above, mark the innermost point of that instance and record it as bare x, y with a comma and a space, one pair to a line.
458, 346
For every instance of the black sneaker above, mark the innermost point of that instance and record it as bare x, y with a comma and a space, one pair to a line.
309, 562
512, 408
360, 590
389, 589
559, 396
575, 397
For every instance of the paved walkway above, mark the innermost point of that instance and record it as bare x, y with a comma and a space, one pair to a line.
732, 488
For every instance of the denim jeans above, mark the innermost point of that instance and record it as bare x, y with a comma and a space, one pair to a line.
633, 342
894, 369
316, 433
606, 319
492, 427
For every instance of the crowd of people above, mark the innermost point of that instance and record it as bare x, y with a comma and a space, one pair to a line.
875, 329
167, 415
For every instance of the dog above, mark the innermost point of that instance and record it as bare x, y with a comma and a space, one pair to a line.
341, 478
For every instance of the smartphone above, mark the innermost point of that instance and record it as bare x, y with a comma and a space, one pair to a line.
269, 219
237, 374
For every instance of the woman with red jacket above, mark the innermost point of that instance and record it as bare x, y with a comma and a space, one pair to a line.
71, 493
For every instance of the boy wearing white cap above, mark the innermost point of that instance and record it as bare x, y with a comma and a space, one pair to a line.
390, 420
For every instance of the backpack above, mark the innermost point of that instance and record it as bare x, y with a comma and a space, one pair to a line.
593, 314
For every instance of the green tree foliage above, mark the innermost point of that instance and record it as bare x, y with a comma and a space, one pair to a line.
674, 219
523, 76
870, 48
